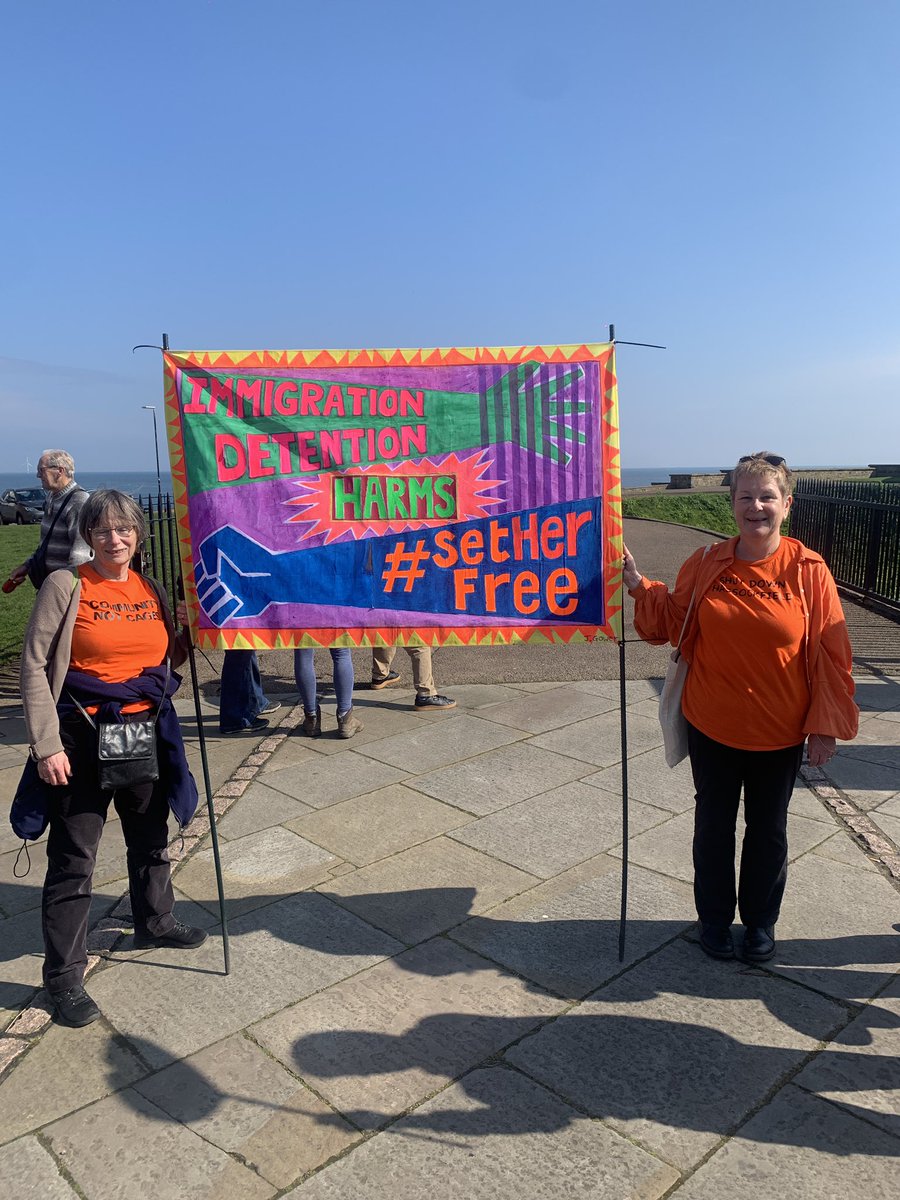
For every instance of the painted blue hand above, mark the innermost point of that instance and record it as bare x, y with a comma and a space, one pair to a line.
237, 577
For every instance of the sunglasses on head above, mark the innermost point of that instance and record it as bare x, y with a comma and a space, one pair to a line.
774, 460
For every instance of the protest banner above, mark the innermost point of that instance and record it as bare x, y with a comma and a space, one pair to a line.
459, 496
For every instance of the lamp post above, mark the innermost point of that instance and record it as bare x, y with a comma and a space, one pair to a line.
152, 408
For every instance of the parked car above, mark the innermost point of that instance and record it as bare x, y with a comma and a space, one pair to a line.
22, 506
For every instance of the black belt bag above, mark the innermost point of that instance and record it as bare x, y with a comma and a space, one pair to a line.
126, 751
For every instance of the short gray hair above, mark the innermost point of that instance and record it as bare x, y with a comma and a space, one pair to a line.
61, 459
122, 509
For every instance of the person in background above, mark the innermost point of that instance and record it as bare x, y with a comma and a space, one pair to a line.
242, 704
61, 544
100, 636
427, 696
770, 668
305, 675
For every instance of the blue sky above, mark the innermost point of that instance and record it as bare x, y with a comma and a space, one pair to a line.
715, 176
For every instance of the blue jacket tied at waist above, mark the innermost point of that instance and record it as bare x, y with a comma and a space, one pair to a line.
30, 811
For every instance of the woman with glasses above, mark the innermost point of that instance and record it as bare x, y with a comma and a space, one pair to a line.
770, 671
100, 635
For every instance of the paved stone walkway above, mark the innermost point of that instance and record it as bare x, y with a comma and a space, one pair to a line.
426, 997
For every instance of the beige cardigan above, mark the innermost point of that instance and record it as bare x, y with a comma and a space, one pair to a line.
48, 649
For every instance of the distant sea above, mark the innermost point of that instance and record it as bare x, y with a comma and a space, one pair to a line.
143, 483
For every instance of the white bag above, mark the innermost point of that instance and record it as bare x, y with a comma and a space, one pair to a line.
671, 719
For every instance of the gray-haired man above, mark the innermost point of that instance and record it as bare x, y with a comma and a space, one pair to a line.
60, 544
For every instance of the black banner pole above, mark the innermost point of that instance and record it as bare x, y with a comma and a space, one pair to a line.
623, 726
204, 761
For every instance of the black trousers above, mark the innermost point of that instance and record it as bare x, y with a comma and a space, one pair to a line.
77, 818
767, 778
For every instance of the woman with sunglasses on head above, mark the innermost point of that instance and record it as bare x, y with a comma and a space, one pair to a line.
98, 648
770, 669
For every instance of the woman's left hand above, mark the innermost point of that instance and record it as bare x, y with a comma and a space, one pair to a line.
181, 613
820, 749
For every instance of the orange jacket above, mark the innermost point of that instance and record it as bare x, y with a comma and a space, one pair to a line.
659, 614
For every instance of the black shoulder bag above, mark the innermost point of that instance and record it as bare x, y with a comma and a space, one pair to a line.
126, 752
37, 564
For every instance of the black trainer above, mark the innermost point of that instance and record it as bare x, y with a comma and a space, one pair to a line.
377, 684
74, 1007
257, 725
435, 702
179, 937
270, 706
716, 941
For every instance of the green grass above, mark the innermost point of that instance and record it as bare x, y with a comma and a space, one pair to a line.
16, 543
705, 510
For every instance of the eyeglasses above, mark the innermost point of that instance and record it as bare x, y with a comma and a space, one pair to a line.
122, 531
774, 460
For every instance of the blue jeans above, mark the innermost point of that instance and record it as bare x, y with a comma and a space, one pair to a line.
242, 697
305, 674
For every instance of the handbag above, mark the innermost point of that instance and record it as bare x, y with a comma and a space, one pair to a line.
126, 751
672, 720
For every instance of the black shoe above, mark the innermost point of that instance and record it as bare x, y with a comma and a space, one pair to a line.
716, 941
257, 725
377, 684
270, 706
759, 943
179, 937
74, 1007
435, 702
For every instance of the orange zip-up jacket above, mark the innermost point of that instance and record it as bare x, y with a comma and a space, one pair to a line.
659, 615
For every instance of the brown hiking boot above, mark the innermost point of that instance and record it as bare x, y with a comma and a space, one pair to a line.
348, 724
312, 724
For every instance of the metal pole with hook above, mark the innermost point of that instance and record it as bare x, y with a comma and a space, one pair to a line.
201, 738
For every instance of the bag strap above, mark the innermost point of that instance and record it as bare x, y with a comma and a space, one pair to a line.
59, 512
93, 724
706, 550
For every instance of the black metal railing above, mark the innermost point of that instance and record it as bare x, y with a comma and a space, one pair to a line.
855, 526
160, 554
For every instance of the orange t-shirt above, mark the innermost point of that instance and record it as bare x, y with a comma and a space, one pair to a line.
747, 686
119, 629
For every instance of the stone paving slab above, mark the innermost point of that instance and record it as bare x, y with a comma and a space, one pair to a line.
260, 807
667, 847
675, 1053
860, 1069
548, 710
637, 691
877, 695
428, 889
843, 849
650, 781
554, 831
171, 1003
799, 1147
493, 1136
382, 716
28, 1172
492, 781
255, 870
867, 784
387, 1039
367, 828
124, 1146
598, 740
323, 781
438, 743
65, 1069
837, 931
567, 941
239, 1099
